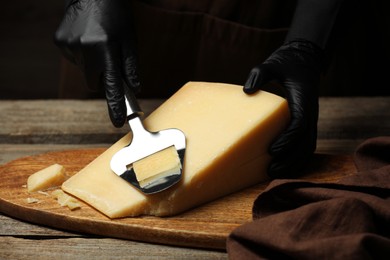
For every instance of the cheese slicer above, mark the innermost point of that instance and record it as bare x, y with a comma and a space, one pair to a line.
143, 144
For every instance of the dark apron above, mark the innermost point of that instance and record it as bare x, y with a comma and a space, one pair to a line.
203, 40
216, 41
221, 40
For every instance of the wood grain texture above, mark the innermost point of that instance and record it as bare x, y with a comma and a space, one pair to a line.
23, 240
87, 121
61, 121
204, 227
95, 248
354, 117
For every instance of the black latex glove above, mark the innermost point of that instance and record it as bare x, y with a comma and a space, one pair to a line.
296, 66
97, 35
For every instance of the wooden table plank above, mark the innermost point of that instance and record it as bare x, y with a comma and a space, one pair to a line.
87, 122
95, 248
354, 117
22, 240
13, 227
61, 121
9, 152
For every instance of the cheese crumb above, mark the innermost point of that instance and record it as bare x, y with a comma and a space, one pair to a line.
65, 200
43, 193
32, 200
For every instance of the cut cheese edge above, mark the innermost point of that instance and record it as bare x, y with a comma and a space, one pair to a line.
65, 200
158, 165
49, 177
227, 133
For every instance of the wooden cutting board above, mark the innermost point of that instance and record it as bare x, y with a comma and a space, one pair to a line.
207, 226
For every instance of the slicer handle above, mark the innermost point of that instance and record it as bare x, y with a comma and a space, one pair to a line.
132, 107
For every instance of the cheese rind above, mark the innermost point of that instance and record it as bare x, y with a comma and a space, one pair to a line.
52, 176
227, 133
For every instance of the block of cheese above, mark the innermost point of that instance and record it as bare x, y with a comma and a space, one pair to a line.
158, 165
52, 176
228, 133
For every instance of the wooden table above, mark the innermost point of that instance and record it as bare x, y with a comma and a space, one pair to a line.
38, 126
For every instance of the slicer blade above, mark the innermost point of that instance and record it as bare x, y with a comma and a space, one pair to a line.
143, 144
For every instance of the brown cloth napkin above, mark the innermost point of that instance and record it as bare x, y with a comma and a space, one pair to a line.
350, 219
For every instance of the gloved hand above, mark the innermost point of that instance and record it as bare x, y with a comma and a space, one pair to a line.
296, 66
98, 36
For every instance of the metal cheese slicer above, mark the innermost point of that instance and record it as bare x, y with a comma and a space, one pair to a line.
143, 144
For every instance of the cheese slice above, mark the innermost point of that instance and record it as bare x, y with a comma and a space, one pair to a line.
52, 176
158, 165
227, 132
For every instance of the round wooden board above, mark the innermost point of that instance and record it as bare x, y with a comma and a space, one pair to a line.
207, 226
